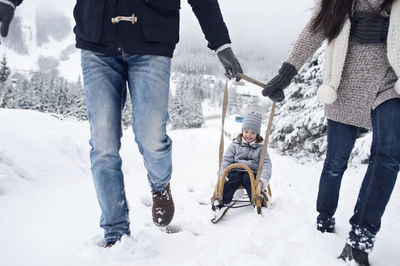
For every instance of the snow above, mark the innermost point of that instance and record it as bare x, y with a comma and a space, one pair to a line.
50, 215
28, 12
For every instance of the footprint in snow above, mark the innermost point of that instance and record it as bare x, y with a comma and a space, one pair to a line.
146, 201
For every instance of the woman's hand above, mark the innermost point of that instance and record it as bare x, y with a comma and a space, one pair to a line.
274, 88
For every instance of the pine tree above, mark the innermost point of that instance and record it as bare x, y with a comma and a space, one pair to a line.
216, 94
4, 75
299, 127
47, 92
234, 104
4, 70
185, 110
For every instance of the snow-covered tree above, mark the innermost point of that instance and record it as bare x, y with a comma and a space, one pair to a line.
4, 74
185, 109
4, 70
216, 94
46, 92
234, 104
299, 127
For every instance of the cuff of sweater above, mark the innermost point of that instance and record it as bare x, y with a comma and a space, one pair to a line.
223, 47
288, 71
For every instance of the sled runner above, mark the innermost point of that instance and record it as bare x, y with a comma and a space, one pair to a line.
259, 198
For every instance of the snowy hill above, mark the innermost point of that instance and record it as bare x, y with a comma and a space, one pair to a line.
50, 215
41, 38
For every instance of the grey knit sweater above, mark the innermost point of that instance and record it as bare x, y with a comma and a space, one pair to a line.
367, 77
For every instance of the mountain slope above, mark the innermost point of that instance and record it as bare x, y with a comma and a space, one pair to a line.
41, 38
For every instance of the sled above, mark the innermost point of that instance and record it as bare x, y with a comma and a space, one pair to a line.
259, 198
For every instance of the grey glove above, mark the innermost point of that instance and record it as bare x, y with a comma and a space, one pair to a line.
230, 63
274, 88
6, 15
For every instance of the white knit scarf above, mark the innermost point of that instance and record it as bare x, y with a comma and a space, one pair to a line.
336, 51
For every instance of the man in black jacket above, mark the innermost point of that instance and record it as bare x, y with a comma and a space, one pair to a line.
131, 42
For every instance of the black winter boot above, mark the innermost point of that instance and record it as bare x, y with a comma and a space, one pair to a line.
110, 244
327, 225
352, 254
163, 207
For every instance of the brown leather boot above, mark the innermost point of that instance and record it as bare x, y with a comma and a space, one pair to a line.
163, 207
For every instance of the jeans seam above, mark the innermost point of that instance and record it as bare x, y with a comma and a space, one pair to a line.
372, 178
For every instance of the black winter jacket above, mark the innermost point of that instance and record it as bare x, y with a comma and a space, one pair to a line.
156, 31
16, 2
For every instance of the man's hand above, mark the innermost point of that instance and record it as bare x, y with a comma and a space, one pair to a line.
274, 88
6, 15
230, 63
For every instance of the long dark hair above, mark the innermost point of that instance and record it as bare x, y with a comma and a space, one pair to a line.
333, 14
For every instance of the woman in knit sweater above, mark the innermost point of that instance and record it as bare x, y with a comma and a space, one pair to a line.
360, 89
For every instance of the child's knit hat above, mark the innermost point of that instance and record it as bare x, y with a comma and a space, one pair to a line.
252, 121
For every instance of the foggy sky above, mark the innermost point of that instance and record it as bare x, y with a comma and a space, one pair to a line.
270, 26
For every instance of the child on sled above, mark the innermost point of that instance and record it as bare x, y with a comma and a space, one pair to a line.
246, 148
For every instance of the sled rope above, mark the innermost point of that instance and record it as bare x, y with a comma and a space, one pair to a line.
216, 195
224, 107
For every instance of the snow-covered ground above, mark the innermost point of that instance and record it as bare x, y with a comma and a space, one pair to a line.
49, 213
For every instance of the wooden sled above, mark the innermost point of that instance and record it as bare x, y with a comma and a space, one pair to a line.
259, 198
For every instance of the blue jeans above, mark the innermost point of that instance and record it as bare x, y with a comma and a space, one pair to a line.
379, 180
341, 139
381, 175
105, 78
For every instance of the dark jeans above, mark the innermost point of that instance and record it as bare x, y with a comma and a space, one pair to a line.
379, 180
236, 179
341, 138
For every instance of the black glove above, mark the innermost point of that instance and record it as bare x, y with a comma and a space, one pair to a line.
6, 15
274, 88
230, 63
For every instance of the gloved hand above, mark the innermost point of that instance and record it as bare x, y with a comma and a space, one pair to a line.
230, 63
274, 88
6, 15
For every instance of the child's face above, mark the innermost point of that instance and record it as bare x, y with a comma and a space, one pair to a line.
249, 135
